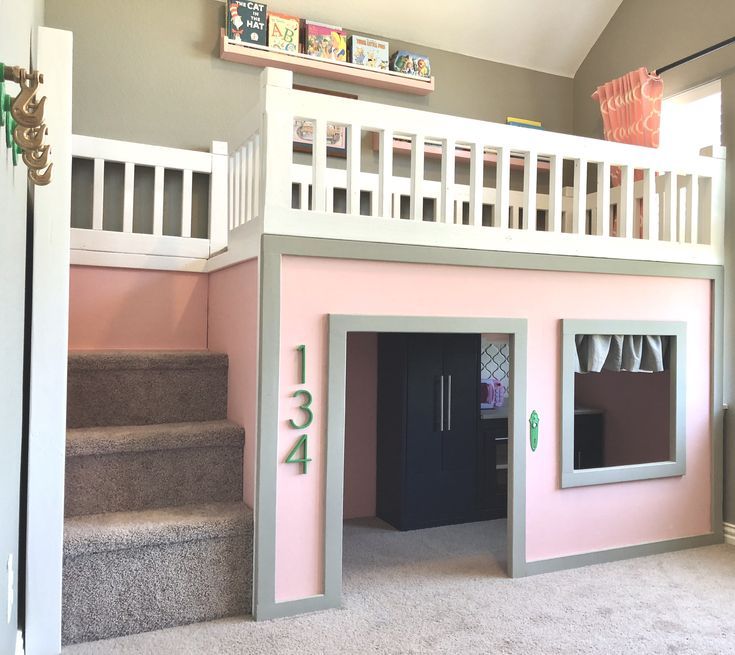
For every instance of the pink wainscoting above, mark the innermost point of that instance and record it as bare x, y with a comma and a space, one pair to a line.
233, 329
124, 308
558, 521
361, 437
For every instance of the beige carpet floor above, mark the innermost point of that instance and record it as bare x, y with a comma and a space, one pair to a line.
445, 591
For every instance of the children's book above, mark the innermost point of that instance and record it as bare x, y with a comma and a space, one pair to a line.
410, 63
283, 32
523, 122
325, 41
246, 22
369, 52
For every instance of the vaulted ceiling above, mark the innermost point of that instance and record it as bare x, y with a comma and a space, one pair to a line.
553, 36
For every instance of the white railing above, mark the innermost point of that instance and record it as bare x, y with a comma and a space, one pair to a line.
492, 187
175, 251
666, 207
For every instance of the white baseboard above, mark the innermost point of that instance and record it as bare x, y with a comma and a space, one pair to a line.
729, 534
19, 649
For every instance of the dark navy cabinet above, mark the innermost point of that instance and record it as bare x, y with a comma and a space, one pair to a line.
430, 470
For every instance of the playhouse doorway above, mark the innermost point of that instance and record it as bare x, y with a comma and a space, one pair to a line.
429, 464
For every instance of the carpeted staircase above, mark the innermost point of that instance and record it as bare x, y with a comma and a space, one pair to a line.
156, 533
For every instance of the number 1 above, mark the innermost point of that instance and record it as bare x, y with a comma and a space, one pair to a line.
302, 351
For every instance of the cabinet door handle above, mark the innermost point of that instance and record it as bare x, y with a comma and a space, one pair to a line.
449, 403
439, 426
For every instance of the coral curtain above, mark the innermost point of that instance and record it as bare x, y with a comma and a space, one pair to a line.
631, 113
631, 108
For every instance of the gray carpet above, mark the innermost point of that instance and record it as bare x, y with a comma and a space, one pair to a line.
444, 591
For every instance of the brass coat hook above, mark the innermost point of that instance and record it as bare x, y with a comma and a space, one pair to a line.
23, 121
26, 109
40, 179
29, 138
36, 159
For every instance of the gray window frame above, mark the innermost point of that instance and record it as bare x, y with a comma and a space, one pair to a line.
676, 466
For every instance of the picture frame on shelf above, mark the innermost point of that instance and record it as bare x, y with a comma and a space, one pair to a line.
303, 129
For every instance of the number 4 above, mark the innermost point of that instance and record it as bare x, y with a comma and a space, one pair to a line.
291, 458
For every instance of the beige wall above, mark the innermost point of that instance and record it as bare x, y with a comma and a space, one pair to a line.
150, 72
653, 33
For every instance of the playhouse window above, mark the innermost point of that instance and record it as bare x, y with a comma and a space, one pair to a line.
622, 401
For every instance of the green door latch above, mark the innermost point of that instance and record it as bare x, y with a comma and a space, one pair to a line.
533, 421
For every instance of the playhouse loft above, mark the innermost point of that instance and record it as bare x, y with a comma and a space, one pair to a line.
430, 224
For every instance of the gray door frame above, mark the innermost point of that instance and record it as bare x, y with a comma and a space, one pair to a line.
339, 326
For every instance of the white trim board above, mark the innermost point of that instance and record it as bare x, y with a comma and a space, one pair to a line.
729, 530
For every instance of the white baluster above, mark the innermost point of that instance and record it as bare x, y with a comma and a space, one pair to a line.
319, 166
446, 209
237, 204
385, 174
477, 170
158, 200
556, 164
650, 213
417, 178
354, 145
579, 202
248, 182
128, 197
692, 224
186, 183
256, 175
98, 194
602, 222
530, 164
502, 187
231, 193
671, 196
627, 213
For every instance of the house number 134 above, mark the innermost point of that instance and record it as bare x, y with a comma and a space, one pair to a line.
299, 453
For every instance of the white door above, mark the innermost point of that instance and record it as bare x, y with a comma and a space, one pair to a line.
34, 228
17, 20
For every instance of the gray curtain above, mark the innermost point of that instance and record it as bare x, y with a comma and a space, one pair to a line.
621, 352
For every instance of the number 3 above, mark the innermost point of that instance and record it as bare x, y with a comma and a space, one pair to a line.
303, 407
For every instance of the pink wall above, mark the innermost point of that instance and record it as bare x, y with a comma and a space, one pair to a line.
558, 521
124, 308
636, 407
233, 329
361, 436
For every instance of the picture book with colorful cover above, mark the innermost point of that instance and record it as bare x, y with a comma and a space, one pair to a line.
369, 52
410, 63
246, 22
325, 41
283, 32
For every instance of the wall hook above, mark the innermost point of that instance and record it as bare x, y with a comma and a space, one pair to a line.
36, 159
30, 138
26, 109
22, 118
40, 179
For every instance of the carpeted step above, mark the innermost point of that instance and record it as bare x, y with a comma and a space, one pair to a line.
127, 468
129, 572
144, 387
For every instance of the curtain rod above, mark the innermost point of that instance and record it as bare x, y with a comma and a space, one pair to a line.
696, 55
